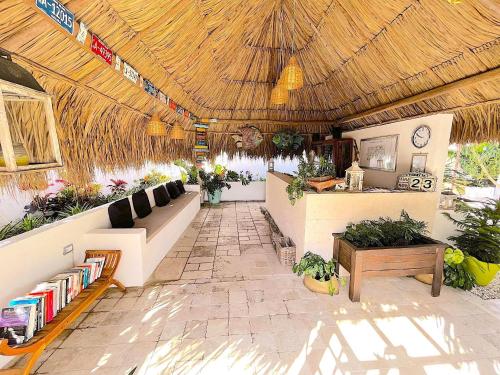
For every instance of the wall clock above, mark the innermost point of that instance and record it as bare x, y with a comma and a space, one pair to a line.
421, 136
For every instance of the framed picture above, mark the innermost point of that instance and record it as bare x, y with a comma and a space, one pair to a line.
379, 153
418, 162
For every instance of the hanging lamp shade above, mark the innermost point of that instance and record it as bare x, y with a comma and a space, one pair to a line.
292, 76
279, 94
177, 132
155, 127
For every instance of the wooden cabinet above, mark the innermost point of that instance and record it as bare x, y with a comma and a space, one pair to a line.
339, 151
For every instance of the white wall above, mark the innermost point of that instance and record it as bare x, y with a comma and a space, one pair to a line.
436, 149
254, 191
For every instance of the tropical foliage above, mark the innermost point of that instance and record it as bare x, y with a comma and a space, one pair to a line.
386, 232
288, 141
455, 274
479, 230
213, 181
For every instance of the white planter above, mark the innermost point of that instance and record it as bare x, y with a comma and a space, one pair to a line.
254, 191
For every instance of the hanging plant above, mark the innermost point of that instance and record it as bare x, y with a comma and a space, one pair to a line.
288, 141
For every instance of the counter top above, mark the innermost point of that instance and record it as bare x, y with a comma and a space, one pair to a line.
369, 190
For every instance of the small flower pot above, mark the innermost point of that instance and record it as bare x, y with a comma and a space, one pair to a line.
483, 272
215, 197
325, 287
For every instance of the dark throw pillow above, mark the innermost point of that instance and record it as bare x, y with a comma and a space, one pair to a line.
173, 190
120, 214
180, 186
161, 196
141, 203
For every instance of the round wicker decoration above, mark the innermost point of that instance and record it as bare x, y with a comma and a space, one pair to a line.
177, 132
155, 127
292, 76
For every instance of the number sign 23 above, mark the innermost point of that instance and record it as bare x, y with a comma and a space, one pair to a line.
423, 183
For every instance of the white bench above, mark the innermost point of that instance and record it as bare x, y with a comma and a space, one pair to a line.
146, 244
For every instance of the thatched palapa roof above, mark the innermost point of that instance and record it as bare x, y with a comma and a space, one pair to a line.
364, 62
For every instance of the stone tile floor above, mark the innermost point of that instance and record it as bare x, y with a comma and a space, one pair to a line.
236, 310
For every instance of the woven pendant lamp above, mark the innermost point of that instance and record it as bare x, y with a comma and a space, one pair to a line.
279, 94
155, 127
177, 132
292, 76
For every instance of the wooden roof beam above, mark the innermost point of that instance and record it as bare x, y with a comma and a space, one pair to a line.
426, 95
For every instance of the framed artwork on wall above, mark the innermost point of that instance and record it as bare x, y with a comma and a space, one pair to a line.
379, 153
418, 162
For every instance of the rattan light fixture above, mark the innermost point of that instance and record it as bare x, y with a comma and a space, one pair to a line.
155, 127
292, 76
177, 132
279, 94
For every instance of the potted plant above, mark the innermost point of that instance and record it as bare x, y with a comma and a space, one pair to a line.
388, 247
479, 238
319, 175
287, 141
319, 276
456, 274
213, 183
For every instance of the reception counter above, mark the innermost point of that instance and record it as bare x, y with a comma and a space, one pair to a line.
312, 220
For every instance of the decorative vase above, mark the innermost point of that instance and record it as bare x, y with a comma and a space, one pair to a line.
483, 272
215, 197
325, 287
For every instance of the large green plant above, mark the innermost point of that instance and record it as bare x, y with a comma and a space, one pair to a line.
305, 170
213, 181
288, 141
315, 266
455, 274
386, 232
479, 228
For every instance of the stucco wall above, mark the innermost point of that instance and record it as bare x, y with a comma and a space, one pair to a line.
436, 149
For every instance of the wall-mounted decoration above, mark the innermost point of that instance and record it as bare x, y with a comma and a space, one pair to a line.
172, 104
150, 88
421, 136
58, 12
379, 153
418, 162
249, 138
130, 73
100, 49
201, 143
82, 33
118, 63
28, 136
418, 181
162, 97
288, 141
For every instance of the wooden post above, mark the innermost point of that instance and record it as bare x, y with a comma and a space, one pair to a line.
355, 280
438, 272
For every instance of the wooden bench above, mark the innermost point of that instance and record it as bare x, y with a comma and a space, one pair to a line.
34, 347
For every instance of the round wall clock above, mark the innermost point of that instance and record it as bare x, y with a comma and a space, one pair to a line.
421, 136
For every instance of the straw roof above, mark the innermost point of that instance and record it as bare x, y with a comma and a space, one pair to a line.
220, 59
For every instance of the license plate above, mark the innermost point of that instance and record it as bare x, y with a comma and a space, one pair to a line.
58, 12
100, 49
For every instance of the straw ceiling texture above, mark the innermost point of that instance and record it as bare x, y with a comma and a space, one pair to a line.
221, 58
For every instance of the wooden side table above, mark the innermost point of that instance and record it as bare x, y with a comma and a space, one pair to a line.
389, 261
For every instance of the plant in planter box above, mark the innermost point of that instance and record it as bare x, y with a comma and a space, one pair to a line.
479, 238
319, 275
213, 183
386, 232
455, 274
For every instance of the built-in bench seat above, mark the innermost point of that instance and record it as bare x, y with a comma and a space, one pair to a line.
145, 244
162, 216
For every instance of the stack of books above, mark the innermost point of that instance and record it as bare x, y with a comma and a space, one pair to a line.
28, 314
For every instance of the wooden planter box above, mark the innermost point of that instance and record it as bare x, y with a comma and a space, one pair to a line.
389, 261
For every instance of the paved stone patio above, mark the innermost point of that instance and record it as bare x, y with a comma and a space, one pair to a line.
236, 310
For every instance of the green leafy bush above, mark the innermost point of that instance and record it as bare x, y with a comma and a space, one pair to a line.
386, 232
455, 274
479, 230
315, 266
213, 181
288, 141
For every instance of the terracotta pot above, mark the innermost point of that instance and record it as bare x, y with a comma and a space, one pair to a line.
323, 287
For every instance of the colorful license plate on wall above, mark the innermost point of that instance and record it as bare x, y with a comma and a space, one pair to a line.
100, 49
58, 12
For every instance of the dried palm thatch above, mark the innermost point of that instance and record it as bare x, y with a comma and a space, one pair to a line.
221, 58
